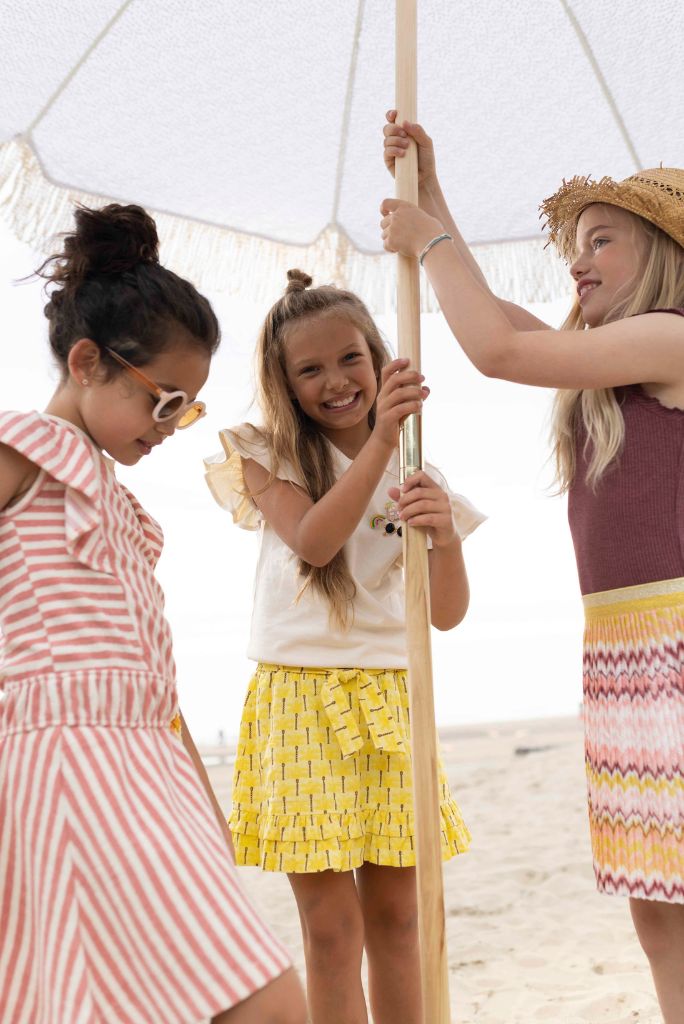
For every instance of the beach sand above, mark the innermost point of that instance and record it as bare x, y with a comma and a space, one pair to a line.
529, 938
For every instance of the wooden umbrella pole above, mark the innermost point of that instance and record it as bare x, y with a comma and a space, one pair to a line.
433, 953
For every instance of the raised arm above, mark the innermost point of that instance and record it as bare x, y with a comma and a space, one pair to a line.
431, 199
317, 531
639, 349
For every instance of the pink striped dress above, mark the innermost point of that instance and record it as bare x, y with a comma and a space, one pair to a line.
118, 899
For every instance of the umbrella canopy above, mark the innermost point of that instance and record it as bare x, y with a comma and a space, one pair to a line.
253, 128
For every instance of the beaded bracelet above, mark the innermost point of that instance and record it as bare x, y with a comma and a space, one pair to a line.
432, 243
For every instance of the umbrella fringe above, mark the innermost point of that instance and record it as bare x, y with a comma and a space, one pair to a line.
253, 267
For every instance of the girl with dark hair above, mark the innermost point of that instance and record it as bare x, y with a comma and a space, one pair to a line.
118, 900
322, 780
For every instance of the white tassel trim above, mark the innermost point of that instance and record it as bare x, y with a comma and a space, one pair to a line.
254, 267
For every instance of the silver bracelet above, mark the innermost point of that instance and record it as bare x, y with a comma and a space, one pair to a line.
432, 243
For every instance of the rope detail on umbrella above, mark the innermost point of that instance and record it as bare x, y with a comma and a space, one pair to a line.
77, 66
601, 79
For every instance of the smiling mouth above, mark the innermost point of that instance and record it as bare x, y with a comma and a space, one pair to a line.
339, 404
587, 287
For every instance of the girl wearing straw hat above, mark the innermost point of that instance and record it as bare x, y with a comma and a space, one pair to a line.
618, 362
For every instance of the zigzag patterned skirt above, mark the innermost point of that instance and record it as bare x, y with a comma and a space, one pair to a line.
634, 733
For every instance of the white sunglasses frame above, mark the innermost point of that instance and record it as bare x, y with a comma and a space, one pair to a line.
163, 396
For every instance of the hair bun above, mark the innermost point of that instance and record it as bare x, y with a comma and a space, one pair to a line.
297, 281
111, 240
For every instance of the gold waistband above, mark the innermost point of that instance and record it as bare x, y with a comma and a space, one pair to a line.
644, 596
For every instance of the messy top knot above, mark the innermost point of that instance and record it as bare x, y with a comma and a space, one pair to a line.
297, 281
107, 285
111, 240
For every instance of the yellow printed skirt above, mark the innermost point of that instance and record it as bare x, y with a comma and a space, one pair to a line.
322, 775
634, 737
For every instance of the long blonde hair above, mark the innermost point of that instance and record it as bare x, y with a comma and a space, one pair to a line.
659, 285
290, 435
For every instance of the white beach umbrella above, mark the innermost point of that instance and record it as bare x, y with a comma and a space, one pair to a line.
255, 126
252, 130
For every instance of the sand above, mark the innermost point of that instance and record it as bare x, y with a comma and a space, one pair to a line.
529, 937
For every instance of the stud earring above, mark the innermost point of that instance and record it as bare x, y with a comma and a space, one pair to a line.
85, 382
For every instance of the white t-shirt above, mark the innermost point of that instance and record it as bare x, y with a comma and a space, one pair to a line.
288, 629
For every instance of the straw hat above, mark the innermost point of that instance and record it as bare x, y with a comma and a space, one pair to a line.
657, 195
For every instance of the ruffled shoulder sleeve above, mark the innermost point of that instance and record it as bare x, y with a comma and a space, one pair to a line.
64, 452
466, 517
223, 472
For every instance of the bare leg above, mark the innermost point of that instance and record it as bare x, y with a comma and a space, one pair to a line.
332, 928
279, 1002
660, 927
390, 918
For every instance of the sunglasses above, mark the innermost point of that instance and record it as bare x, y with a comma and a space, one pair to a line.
171, 404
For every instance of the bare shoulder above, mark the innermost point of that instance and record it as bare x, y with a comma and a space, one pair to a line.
666, 327
660, 325
17, 473
667, 321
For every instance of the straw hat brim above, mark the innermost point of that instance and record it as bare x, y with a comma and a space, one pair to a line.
656, 195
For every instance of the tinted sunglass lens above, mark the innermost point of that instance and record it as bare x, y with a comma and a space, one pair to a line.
192, 414
170, 408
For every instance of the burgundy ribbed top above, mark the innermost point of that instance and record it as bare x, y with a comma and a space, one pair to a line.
631, 530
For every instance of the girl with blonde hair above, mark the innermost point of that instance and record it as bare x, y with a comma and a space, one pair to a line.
618, 362
322, 781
